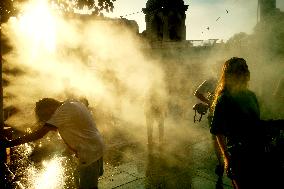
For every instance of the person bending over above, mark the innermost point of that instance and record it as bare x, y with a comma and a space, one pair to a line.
77, 128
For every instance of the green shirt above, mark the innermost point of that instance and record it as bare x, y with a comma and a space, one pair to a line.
237, 117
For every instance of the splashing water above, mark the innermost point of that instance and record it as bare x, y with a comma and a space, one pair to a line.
51, 176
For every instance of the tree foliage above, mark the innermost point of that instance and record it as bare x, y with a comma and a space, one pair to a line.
95, 5
7, 10
238, 38
7, 7
269, 34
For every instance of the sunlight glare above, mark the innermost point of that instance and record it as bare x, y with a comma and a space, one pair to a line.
51, 176
38, 25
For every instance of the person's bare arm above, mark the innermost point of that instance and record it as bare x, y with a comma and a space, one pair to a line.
202, 97
35, 135
222, 145
226, 156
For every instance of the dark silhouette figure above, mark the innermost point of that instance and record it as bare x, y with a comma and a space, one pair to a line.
155, 109
236, 124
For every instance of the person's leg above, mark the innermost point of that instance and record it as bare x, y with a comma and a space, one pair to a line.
89, 176
149, 122
101, 166
76, 175
219, 170
161, 130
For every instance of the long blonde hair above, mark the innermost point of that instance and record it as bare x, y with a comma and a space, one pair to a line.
234, 77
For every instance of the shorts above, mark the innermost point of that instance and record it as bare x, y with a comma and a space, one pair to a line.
89, 174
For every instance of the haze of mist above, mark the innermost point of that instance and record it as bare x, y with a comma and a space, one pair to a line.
114, 69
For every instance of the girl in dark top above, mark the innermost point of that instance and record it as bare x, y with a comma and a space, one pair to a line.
236, 126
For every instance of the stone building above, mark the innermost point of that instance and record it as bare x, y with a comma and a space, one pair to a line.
165, 20
266, 8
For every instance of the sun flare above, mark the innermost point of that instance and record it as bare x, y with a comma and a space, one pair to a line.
38, 25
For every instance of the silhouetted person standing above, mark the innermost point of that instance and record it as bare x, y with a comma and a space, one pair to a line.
236, 125
205, 92
155, 109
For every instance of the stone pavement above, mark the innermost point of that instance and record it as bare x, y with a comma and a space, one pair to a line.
185, 160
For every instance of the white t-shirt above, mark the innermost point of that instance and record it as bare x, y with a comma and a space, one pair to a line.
77, 128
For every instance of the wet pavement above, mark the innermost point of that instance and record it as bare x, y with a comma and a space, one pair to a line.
186, 159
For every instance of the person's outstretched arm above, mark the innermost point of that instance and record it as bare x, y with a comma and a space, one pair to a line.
201, 97
35, 135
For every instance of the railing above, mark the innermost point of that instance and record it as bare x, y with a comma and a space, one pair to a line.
181, 44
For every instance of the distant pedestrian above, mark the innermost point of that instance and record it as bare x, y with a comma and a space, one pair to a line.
155, 109
205, 92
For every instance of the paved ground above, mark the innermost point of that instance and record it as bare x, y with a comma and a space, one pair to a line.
185, 160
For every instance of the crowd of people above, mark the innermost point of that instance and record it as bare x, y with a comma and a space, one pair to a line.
237, 131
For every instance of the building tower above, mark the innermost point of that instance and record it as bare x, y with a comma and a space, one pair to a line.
265, 9
165, 20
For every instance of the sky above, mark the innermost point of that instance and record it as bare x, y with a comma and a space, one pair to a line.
241, 16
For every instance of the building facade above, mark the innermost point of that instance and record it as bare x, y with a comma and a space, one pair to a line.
165, 20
